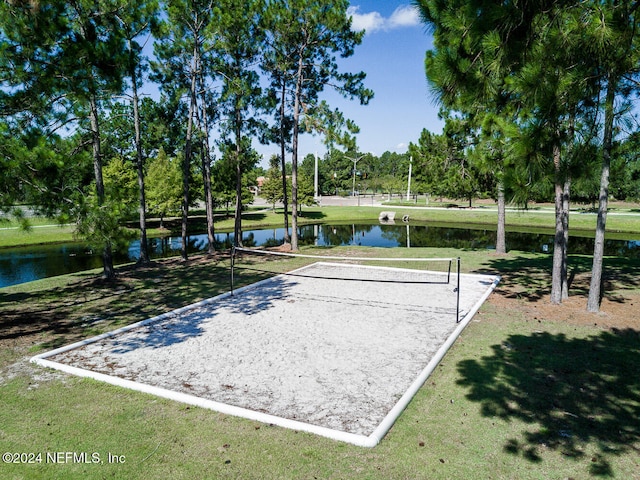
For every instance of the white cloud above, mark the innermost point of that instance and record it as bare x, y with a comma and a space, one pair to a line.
403, 16
401, 146
365, 21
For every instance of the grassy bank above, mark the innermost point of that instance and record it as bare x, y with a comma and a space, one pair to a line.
16, 237
528, 391
622, 223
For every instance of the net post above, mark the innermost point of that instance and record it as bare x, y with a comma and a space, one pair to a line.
458, 291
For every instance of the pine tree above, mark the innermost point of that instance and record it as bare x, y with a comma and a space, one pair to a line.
183, 37
308, 35
61, 61
614, 41
237, 48
137, 19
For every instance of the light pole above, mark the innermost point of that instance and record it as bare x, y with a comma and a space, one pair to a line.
355, 160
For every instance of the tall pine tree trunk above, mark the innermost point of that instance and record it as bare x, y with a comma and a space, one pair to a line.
142, 203
566, 197
186, 164
565, 227
206, 174
107, 255
208, 198
558, 243
294, 157
285, 199
501, 246
238, 217
595, 287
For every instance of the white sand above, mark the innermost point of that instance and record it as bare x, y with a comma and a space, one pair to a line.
333, 353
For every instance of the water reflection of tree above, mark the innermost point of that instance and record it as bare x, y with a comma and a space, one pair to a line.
48, 262
249, 241
345, 234
307, 235
162, 247
419, 236
159, 247
426, 236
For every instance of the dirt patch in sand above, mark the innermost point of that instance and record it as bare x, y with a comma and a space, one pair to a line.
619, 309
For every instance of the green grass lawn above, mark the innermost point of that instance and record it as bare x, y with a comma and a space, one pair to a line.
12, 237
521, 394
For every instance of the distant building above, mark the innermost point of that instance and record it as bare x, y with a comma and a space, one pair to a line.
255, 189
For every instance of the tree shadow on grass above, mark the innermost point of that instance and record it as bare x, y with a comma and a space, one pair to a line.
573, 392
91, 305
312, 215
253, 216
59, 316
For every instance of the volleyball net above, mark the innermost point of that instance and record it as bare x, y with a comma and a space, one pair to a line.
439, 276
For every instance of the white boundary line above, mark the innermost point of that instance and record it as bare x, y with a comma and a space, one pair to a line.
384, 426
359, 440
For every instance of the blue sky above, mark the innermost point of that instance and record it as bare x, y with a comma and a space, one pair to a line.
392, 54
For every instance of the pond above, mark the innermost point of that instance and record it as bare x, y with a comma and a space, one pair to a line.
24, 264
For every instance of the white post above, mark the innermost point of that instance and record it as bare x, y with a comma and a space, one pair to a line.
353, 188
409, 181
315, 179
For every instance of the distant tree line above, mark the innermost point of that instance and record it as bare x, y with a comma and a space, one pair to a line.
455, 167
